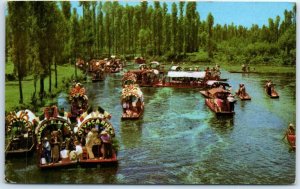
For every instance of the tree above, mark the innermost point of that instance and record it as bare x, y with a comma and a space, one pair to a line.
210, 22
174, 32
18, 13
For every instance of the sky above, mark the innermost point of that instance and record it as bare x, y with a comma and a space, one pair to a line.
238, 13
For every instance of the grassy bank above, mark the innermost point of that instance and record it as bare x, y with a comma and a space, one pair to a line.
200, 59
64, 73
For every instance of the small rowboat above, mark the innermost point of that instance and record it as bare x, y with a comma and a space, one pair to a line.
274, 94
244, 97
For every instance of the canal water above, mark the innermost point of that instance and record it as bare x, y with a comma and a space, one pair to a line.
180, 141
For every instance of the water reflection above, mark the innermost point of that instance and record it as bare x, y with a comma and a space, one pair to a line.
131, 133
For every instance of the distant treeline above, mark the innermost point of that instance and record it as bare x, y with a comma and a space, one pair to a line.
40, 34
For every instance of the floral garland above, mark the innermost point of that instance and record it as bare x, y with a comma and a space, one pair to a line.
92, 122
18, 121
129, 76
77, 91
57, 121
130, 90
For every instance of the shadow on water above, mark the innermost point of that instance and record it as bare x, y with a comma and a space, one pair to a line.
131, 133
222, 124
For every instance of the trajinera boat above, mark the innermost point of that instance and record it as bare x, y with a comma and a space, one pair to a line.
291, 135
132, 98
213, 84
55, 141
219, 101
95, 137
78, 100
20, 133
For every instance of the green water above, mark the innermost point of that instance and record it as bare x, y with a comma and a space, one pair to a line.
180, 141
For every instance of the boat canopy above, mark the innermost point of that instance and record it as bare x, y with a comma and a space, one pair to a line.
186, 74
217, 83
95, 121
214, 91
132, 91
176, 68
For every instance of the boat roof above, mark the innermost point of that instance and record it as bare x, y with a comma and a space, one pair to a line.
186, 74
211, 82
217, 90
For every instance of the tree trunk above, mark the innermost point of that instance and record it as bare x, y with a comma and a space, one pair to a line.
42, 89
20, 79
55, 71
50, 75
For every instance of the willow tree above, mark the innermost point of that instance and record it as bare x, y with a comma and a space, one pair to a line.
18, 14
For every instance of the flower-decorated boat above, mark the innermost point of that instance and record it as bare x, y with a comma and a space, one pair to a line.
132, 98
78, 100
55, 141
219, 102
95, 138
114, 65
20, 133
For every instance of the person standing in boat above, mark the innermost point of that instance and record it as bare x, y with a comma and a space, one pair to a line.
106, 147
55, 144
231, 100
269, 87
90, 140
47, 150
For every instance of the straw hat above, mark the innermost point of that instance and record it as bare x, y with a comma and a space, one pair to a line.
45, 138
104, 132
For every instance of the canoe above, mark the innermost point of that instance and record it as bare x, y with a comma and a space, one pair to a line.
292, 140
274, 94
246, 97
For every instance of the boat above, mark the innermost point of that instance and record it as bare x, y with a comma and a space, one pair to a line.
98, 76
244, 97
89, 130
20, 133
214, 84
290, 135
182, 79
78, 101
273, 94
55, 131
132, 99
218, 102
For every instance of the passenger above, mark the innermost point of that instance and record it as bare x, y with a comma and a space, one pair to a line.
106, 145
231, 100
47, 150
242, 90
55, 145
269, 86
90, 139
78, 150
244, 68
291, 129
